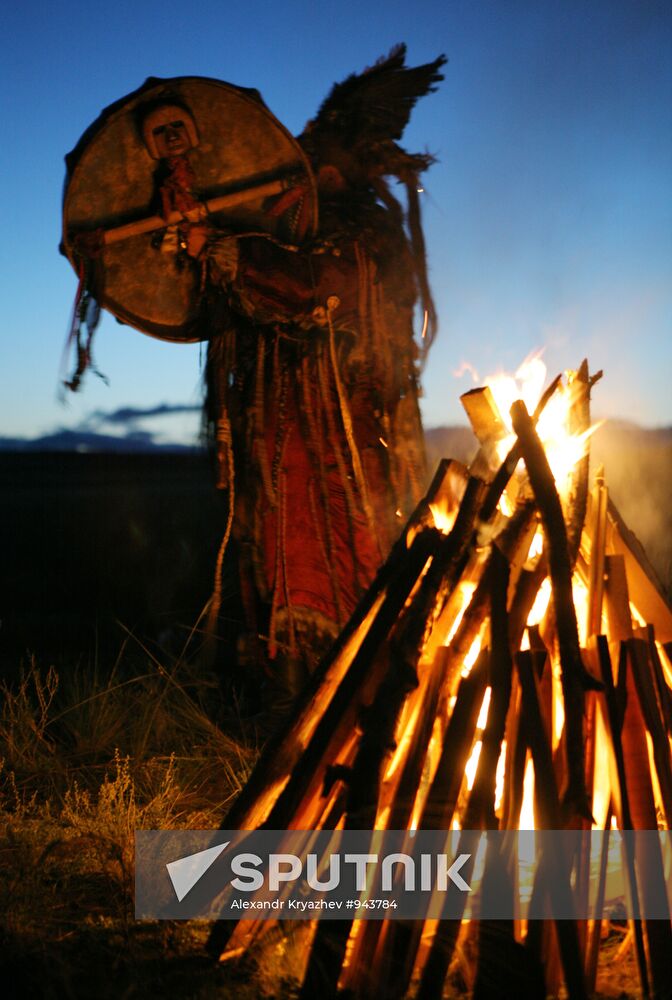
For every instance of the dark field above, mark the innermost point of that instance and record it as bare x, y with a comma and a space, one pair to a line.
96, 544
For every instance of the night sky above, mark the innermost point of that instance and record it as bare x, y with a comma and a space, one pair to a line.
548, 216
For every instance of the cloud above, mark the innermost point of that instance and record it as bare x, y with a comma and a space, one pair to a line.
125, 415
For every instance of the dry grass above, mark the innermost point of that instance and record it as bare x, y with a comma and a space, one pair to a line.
85, 761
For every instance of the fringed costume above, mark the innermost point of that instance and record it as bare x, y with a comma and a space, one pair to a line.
313, 401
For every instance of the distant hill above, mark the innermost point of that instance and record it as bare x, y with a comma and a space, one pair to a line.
92, 441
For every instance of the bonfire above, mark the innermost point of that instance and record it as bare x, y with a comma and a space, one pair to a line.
508, 669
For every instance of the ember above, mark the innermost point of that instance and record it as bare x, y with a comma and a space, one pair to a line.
509, 668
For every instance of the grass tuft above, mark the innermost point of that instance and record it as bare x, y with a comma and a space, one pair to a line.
87, 758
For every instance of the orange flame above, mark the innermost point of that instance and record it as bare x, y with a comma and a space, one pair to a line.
563, 448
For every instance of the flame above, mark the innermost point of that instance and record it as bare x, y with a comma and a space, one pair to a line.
541, 603
601, 776
483, 714
536, 546
465, 590
471, 657
444, 519
558, 703
580, 596
505, 505
527, 384
563, 448
499, 778
527, 808
429, 770
472, 764
526, 846
665, 662
407, 728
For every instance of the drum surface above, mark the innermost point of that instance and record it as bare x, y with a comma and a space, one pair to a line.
112, 181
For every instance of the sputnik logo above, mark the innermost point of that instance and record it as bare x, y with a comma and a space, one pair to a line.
250, 871
187, 871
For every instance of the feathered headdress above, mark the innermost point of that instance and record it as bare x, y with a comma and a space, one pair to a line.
356, 131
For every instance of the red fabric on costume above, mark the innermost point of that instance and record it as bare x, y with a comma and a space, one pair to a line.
297, 545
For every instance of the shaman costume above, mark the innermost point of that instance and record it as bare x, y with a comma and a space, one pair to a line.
312, 365
312, 387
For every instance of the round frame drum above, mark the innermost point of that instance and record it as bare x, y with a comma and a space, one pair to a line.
243, 156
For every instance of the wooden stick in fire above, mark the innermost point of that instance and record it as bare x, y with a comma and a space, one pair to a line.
481, 809
579, 423
613, 717
497, 947
548, 805
437, 814
575, 678
495, 938
508, 466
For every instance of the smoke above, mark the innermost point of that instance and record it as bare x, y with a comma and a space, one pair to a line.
466, 368
638, 473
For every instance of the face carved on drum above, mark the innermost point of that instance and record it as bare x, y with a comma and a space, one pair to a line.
168, 131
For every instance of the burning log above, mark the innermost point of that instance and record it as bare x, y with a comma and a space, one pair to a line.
638, 810
481, 810
595, 931
644, 682
662, 690
550, 816
615, 706
644, 817
575, 678
401, 944
579, 425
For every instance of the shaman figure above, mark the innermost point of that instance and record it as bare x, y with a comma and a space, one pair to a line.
307, 304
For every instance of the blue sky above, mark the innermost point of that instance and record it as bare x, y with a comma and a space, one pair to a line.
548, 217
